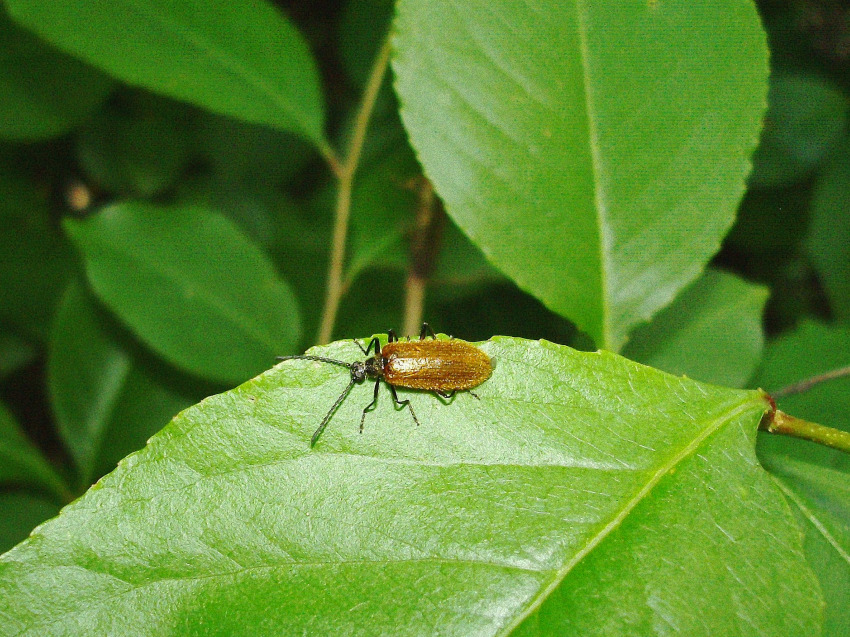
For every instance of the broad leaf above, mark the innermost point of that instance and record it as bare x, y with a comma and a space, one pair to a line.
191, 285
106, 404
712, 332
241, 58
22, 464
43, 92
591, 150
580, 487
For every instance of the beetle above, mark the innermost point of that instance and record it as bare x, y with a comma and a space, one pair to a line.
443, 367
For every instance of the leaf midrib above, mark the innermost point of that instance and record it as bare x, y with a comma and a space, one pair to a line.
227, 61
615, 522
234, 317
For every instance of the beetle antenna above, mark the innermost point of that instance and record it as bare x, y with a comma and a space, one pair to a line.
327, 418
314, 358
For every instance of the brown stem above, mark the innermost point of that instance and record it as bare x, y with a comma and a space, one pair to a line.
425, 245
807, 384
345, 173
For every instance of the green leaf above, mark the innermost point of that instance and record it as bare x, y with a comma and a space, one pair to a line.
19, 513
15, 353
139, 148
820, 497
569, 482
591, 150
806, 118
43, 92
241, 58
106, 404
191, 285
712, 332
34, 260
828, 241
21, 463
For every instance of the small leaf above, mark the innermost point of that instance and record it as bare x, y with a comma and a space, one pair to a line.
21, 463
43, 92
805, 120
591, 150
95, 385
828, 241
139, 149
240, 58
712, 332
191, 285
564, 486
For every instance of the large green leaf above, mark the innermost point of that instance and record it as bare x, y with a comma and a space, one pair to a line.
241, 58
22, 464
821, 498
106, 404
43, 92
581, 485
590, 149
191, 285
712, 332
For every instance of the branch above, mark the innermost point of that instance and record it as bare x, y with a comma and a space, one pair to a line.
345, 173
806, 385
778, 422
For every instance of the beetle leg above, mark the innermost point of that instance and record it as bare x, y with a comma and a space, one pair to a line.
403, 403
474, 395
446, 395
370, 405
374, 343
391, 336
426, 329
365, 352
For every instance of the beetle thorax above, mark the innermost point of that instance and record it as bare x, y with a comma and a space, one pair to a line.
375, 367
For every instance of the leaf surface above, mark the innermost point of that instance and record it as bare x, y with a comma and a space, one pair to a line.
590, 149
241, 58
567, 469
191, 285
712, 332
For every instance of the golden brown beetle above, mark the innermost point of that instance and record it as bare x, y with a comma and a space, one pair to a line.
444, 367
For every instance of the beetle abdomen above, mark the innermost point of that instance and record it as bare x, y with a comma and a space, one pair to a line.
434, 365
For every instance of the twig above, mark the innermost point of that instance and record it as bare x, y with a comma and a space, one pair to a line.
805, 385
778, 422
345, 173
425, 245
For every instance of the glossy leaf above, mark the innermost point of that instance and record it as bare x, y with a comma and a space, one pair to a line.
828, 241
21, 463
579, 482
97, 386
191, 285
241, 58
712, 332
821, 499
43, 92
591, 150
